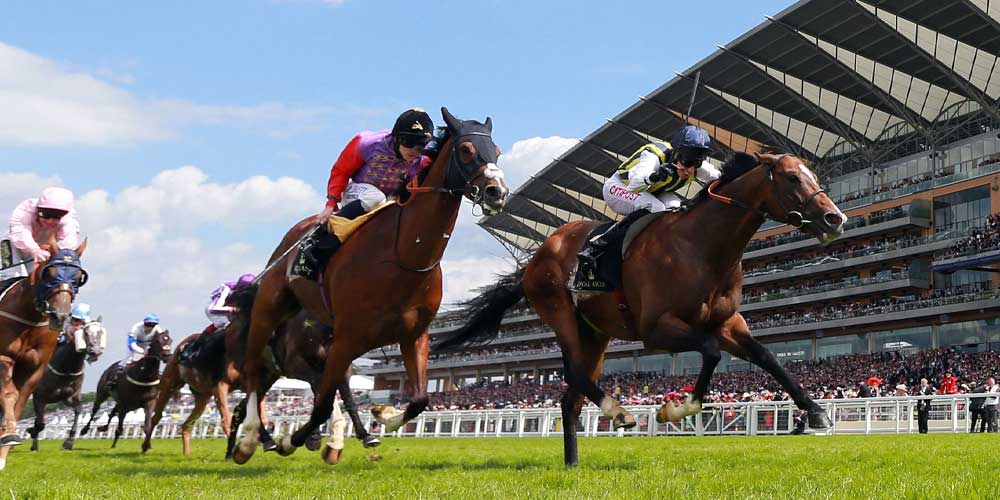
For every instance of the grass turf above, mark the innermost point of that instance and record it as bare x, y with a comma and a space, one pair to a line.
907, 466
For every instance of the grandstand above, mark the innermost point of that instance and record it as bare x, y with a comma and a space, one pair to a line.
894, 103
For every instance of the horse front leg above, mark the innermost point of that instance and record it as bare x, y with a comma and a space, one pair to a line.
368, 439
736, 339
671, 411
201, 400
77, 408
9, 394
39, 425
415, 360
338, 361
121, 425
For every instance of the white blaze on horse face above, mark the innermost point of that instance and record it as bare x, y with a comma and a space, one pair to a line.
808, 172
491, 172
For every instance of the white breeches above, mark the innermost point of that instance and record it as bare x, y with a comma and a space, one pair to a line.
369, 195
15, 256
219, 320
624, 202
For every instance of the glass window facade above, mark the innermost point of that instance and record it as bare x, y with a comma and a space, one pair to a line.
655, 363
828, 347
962, 210
907, 339
615, 365
971, 334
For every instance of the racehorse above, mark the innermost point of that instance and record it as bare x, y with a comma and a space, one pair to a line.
383, 286
32, 312
133, 386
64, 377
681, 288
299, 351
299, 355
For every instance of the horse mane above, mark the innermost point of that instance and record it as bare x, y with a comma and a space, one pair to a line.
734, 168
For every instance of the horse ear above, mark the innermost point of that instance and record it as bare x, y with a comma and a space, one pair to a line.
766, 158
80, 249
34, 275
489, 124
100, 319
53, 244
449, 119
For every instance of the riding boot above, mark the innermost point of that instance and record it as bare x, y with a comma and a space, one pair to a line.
352, 210
598, 244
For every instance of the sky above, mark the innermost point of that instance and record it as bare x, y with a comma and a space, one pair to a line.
194, 134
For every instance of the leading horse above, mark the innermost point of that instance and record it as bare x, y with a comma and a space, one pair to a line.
133, 386
63, 378
383, 286
32, 311
682, 285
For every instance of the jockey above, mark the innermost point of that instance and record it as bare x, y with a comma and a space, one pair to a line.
34, 222
217, 311
373, 166
78, 318
648, 180
141, 335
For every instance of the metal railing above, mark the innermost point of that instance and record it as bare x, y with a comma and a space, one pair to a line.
890, 415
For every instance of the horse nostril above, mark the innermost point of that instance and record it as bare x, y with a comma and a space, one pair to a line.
493, 192
834, 219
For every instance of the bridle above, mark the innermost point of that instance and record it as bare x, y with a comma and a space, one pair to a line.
793, 217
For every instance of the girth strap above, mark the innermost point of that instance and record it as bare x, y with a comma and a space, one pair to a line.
144, 384
61, 374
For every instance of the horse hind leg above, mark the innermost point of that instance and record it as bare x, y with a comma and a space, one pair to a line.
335, 445
251, 434
238, 416
201, 400
335, 369
120, 427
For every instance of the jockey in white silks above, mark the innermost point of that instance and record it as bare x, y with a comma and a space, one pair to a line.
73, 329
140, 336
648, 181
34, 222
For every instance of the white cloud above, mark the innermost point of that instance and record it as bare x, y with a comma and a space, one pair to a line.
145, 254
46, 103
528, 156
462, 276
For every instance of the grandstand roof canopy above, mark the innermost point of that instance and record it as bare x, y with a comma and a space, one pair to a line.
822, 79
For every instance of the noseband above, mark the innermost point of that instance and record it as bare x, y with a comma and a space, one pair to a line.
793, 217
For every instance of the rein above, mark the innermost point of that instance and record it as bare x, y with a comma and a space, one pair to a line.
793, 218
17, 318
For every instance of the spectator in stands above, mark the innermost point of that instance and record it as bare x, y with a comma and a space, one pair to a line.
949, 384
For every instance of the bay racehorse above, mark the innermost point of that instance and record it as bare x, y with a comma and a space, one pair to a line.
132, 387
383, 286
299, 354
63, 377
32, 311
682, 285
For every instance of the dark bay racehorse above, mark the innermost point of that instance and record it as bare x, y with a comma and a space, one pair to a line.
384, 284
32, 312
682, 287
132, 387
64, 378
299, 354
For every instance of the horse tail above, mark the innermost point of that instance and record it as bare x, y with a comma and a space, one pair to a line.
484, 313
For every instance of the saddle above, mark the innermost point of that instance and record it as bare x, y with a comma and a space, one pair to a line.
607, 276
205, 353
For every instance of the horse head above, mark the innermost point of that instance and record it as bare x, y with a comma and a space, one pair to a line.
473, 168
96, 338
797, 199
57, 281
160, 346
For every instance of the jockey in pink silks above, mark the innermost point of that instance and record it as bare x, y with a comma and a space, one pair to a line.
32, 224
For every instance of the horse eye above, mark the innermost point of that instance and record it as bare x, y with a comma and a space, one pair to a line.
794, 179
466, 152
51, 272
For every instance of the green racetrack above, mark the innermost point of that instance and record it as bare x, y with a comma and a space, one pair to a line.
905, 466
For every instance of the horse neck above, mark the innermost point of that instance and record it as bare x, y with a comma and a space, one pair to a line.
66, 359
724, 249
22, 300
426, 222
147, 363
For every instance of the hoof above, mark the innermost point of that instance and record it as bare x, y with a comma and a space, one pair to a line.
819, 420
314, 442
10, 440
68, 445
269, 445
331, 456
3, 463
285, 448
371, 441
243, 453
624, 421
389, 417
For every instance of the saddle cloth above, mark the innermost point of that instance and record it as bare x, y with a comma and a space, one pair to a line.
343, 228
608, 275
